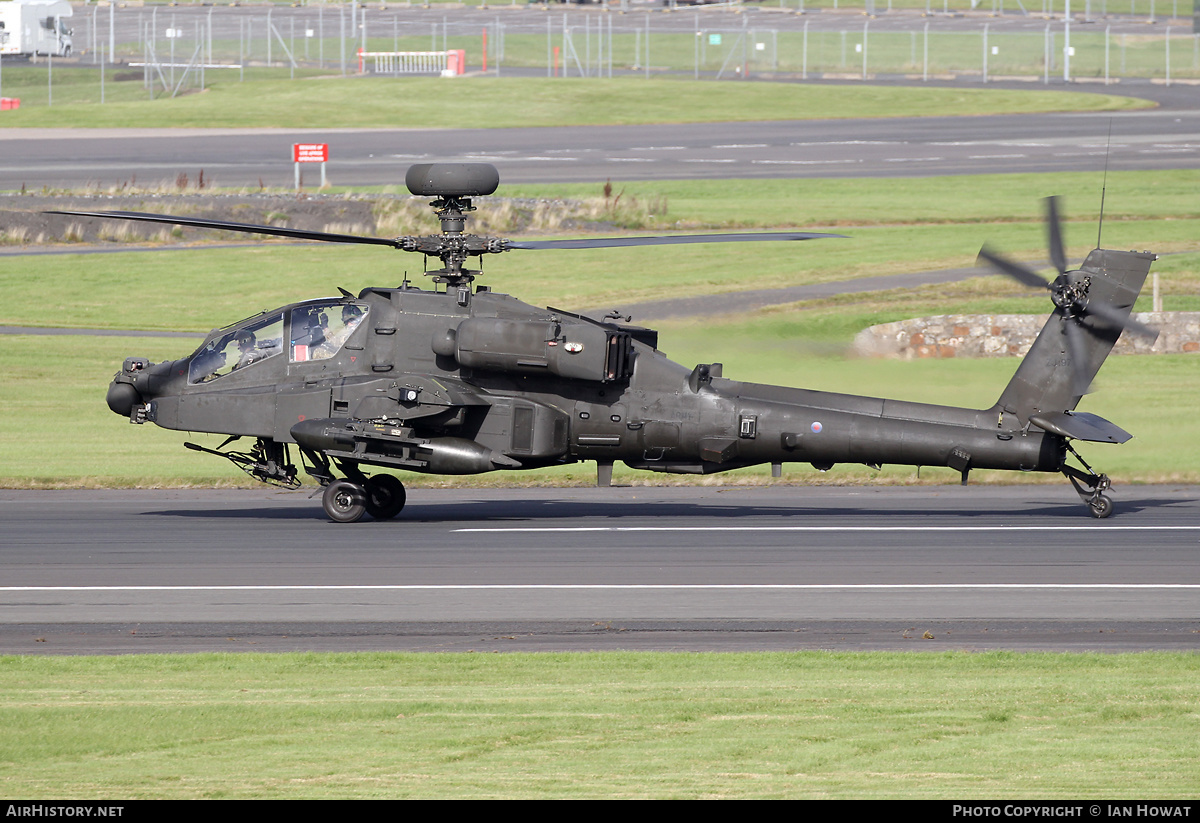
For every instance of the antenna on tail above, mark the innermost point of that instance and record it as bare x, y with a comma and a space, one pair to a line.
1104, 184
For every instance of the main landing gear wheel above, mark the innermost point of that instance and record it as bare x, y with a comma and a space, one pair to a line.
385, 496
344, 502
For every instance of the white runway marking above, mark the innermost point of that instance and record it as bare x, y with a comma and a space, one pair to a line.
802, 162
611, 587
822, 528
853, 143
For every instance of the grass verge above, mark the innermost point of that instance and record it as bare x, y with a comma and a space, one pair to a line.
811, 725
417, 102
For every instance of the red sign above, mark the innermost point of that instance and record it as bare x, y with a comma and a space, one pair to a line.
310, 152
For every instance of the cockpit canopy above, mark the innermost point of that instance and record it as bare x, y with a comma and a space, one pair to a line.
313, 331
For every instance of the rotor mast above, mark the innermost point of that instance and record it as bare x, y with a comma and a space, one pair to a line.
453, 184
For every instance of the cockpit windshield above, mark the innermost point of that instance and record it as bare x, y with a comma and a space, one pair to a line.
319, 331
249, 343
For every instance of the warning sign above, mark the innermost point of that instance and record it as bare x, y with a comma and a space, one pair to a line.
310, 152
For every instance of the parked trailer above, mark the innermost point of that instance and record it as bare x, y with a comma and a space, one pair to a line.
35, 27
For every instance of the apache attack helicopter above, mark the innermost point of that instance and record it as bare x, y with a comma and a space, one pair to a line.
462, 380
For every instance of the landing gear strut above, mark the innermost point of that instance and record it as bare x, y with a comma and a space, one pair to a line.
1090, 487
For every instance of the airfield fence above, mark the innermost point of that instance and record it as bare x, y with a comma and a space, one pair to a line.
175, 49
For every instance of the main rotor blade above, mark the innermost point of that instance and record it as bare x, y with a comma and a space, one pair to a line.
1118, 318
249, 228
1014, 270
672, 240
1054, 236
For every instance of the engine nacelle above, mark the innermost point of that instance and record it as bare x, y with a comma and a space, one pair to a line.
578, 351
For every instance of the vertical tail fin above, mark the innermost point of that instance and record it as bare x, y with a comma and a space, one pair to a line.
1092, 307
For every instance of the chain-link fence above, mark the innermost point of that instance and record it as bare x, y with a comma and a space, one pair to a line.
179, 48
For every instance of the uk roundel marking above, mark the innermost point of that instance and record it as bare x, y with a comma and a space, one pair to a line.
816, 427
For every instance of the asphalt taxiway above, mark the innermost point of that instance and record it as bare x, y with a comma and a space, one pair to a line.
889, 147
722, 567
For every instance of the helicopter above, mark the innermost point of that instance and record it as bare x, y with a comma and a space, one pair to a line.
458, 379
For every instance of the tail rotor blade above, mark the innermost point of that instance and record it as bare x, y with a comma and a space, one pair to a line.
1016, 271
1118, 318
1077, 350
1054, 236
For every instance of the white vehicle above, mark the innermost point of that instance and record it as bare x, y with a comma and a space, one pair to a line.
35, 27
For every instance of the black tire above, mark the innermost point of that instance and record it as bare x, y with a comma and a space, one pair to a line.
1100, 507
385, 496
344, 502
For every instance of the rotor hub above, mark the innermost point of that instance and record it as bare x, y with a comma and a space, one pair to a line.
452, 184
1072, 298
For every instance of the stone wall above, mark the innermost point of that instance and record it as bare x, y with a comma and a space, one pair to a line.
1010, 335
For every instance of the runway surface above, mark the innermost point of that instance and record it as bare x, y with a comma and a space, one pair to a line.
897, 147
634, 567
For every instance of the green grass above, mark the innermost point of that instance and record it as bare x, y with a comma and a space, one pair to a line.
802, 725
959, 199
502, 102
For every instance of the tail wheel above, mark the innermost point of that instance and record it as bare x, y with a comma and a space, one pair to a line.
1101, 506
344, 502
385, 496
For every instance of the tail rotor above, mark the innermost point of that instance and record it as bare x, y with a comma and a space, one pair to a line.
1081, 317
